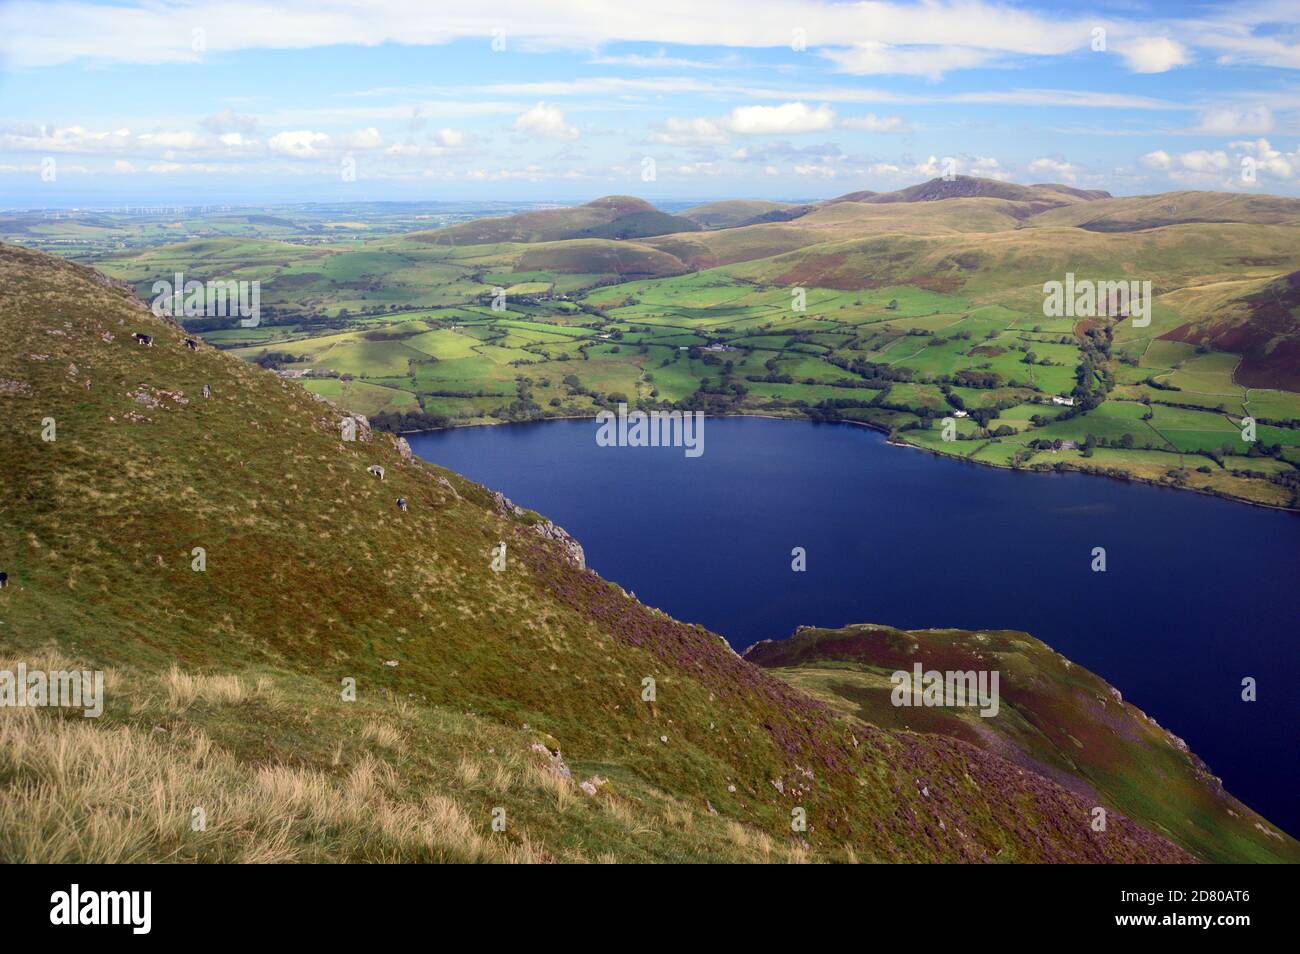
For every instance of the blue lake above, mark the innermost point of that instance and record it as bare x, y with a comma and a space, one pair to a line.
1198, 592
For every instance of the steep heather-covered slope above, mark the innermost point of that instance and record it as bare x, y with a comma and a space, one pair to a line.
1055, 718
1262, 325
613, 216
476, 690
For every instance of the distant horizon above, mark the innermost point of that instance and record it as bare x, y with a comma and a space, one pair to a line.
204, 102
216, 204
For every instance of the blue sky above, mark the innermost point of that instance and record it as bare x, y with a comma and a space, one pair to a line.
237, 101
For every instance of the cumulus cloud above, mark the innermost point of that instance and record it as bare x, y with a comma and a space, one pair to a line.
161, 143
1217, 168
546, 122
1203, 160
1056, 167
1154, 54
786, 119
299, 143
986, 167
1268, 160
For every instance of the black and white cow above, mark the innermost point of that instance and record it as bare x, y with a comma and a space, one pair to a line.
192, 344
146, 340
4, 580
401, 504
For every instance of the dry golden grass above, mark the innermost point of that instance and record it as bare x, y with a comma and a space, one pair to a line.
387, 782
120, 797
383, 735
467, 770
185, 689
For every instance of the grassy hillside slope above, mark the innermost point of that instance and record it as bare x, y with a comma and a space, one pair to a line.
614, 216
731, 212
1055, 718
476, 690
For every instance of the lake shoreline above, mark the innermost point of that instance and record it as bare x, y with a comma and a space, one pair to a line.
880, 429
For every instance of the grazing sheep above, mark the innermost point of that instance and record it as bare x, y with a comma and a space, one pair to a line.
146, 340
376, 470
207, 391
192, 344
401, 504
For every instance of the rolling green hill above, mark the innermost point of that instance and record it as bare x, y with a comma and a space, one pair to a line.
1138, 213
919, 306
614, 216
517, 696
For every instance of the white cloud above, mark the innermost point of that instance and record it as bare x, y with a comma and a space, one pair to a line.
1154, 54
1216, 168
1268, 160
301, 143
986, 167
873, 123
1237, 122
679, 132
873, 58
818, 169
1202, 160
786, 119
545, 121
361, 139
1057, 167
145, 31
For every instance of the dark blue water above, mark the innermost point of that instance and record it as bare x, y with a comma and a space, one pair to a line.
1198, 592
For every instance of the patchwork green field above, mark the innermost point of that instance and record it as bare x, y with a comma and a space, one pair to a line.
920, 313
